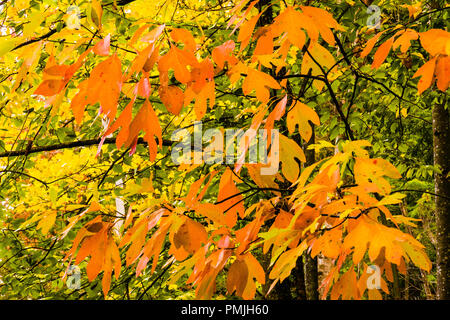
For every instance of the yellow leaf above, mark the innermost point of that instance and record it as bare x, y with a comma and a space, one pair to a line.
95, 12
26, 223
417, 256
36, 19
316, 58
300, 115
289, 150
306, 172
145, 186
391, 199
286, 262
47, 222
356, 148
320, 145
6, 45
405, 220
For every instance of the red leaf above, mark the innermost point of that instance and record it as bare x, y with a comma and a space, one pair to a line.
102, 47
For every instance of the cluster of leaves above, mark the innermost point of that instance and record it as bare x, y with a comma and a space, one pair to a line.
208, 225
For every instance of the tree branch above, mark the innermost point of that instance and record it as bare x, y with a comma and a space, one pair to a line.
68, 145
47, 35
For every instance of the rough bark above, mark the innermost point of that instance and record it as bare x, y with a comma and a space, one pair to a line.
310, 265
441, 155
299, 280
311, 278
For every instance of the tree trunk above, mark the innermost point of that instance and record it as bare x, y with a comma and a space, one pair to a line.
310, 265
441, 154
299, 280
311, 278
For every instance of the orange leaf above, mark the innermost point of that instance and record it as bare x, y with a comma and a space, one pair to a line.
370, 44
178, 60
426, 73
255, 268
276, 114
291, 22
324, 21
154, 34
246, 30
346, 287
443, 72
237, 277
191, 235
147, 121
144, 60
260, 82
137, 34
235, 11
382, 53
50, 87
143, 86
172, 97
413, 9
194, 196
208, 93
184, 36
230, 198
404, 41
436, 41
222, 54
123, 121
201, 74
97, 253
102, 47
80, 100
105, 84
212, 212
264, 44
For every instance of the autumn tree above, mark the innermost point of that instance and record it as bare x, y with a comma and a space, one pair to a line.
347, 101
